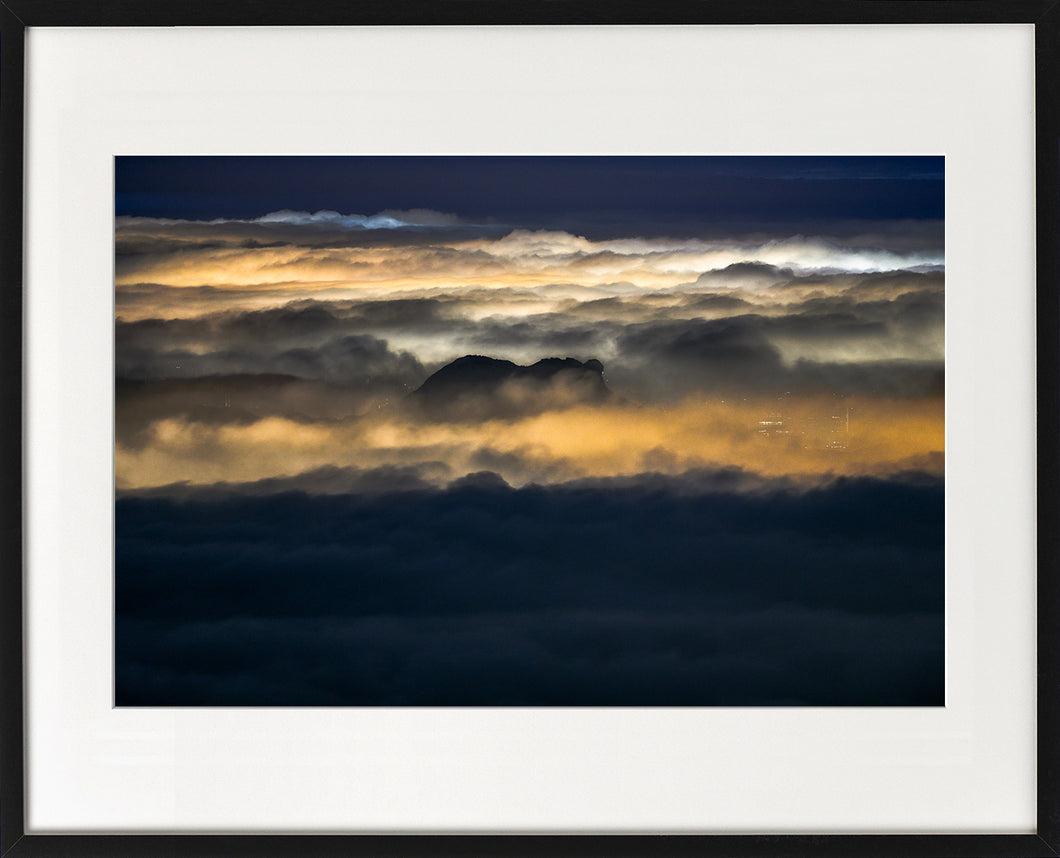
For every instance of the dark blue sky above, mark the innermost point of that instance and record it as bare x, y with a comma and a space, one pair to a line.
595, 194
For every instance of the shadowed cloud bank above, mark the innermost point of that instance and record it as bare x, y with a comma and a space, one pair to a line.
648, 591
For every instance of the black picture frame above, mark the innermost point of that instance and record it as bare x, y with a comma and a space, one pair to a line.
18, 15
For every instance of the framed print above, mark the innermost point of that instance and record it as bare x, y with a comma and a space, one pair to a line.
536, 429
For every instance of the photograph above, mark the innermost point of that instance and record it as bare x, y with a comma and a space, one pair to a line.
522, 431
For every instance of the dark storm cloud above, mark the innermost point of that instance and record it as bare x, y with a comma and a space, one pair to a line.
313, 320
309, 343
899, 297
545, 332
719, 354
216, 400
885, 379
912, 323
298, 319
402, 312
353, 357
743, 354
762, 276
666, 342
643, 593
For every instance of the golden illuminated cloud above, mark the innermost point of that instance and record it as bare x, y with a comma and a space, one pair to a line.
698, 338
219, 256
810, 438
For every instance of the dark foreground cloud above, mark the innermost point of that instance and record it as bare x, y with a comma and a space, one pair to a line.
659, 591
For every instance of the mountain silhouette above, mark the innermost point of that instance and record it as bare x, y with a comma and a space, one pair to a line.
476, 387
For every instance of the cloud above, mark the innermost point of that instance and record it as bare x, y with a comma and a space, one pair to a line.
285, 343
746, 274
389, 219
659, 593
894, 350
326, 480
720, 352
213, 401
808, 437
308, 250
828, 319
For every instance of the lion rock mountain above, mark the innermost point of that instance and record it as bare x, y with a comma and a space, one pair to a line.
477, 387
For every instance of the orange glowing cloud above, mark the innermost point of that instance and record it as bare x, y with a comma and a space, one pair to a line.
806, 438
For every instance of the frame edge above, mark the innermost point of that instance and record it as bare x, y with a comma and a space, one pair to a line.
1047, 98
13, 839
12, 730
